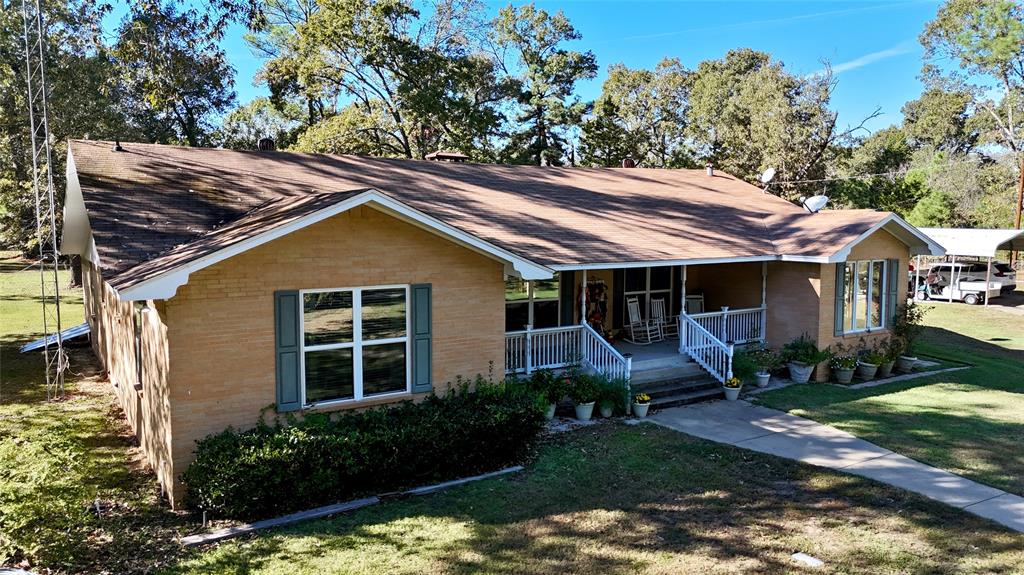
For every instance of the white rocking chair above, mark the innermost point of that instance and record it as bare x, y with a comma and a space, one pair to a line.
641, 332
669, 323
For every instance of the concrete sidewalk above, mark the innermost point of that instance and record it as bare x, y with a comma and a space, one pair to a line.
777, 433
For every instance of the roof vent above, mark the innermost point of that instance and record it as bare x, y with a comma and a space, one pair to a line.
447, 156
117, 146
709, 169
628, 162
266, 145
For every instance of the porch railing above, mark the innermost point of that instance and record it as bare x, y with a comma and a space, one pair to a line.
710, 352
734, 325
557, 347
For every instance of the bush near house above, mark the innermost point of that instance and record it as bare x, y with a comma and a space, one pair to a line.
280, 468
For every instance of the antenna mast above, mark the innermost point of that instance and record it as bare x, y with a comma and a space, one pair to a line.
42, 186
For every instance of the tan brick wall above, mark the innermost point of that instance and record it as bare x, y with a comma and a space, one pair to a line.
113, 340
222, 321
793, 296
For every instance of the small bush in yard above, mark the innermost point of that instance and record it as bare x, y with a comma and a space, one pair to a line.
276, 469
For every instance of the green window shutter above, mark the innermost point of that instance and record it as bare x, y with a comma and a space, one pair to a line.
286, 344
892, 271
421, 335
840, 296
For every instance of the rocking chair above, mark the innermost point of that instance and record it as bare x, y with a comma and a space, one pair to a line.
641, 332
669, 323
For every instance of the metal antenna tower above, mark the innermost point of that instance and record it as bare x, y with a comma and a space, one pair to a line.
42, 186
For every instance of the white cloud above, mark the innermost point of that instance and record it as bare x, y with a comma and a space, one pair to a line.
905, 47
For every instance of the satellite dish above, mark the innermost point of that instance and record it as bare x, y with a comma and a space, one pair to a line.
814, 204
767, 175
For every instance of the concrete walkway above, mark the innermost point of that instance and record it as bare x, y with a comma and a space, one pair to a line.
777, 433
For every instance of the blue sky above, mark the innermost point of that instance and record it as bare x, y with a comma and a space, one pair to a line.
872, 45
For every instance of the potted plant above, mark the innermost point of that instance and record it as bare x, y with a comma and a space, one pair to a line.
891, 348
609, 395
732, 387
801, 355
766, 362
550, 388
869, 360
907, 326
584, 391
843, 363
641, 403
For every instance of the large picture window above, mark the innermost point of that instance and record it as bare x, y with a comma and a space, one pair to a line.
647, 284
355, 343
533, 302
863, 294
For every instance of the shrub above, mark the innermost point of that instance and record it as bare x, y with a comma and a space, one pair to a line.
804, 350
584, 387
275, 469
612, 392
871, 353
908, 324
743, 365
549, 387
766, 360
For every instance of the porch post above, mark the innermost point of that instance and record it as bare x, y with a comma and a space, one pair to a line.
725, 319
583, 298
529, 349
988, 278
764, 302
682, 312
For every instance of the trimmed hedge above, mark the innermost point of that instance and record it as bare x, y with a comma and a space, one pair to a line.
277, 469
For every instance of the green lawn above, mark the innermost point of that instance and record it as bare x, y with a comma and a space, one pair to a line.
58, 457
969, 422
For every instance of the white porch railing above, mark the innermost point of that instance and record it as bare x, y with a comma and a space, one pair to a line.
557, 347
710, 352
734, 325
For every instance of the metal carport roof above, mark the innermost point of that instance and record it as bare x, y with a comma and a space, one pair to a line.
980, 243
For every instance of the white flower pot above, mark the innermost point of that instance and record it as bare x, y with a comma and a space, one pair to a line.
606, 411
866, 371
905, 363
584, 411
763, 378
732, 393
885, 369
844, 376
799, 372
640, 409
549, 413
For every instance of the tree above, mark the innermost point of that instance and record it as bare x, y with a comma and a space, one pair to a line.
245, 125
747, 113
985, 39
547, 74
176, 72
935, 210
942, 120
646, 111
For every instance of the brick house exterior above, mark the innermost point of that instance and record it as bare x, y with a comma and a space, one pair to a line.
186, 255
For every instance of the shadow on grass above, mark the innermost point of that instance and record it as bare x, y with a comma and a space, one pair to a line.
617, 500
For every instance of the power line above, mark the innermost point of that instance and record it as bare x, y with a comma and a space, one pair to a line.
880, 174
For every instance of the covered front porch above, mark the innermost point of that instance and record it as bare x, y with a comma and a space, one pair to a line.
608, 318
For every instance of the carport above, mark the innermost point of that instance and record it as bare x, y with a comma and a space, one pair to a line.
976, 243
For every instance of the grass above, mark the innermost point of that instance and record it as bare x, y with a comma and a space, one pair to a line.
60, 461
620, 499
969, 422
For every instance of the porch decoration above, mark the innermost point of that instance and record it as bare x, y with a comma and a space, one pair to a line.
583, 391
641, 403
732, 387
597, 306
801, 356
870, 358
843, 364
641, 331
908, 326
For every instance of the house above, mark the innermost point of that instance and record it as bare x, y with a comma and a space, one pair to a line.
220, 285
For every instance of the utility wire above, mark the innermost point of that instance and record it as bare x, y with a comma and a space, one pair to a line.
875, 175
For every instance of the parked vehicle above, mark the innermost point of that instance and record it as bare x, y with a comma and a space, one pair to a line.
959, 282
1002, 273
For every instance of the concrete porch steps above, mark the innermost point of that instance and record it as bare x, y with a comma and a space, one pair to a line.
682, 391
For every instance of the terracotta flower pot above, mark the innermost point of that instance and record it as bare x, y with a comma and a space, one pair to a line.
866, 371
640, 409
584, 411
763, 378
844, 376
905, 363
799, 372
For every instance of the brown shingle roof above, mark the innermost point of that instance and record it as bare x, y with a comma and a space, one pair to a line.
150, 200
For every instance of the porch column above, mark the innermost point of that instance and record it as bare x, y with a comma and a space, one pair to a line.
764, 302
583, 298
682, 312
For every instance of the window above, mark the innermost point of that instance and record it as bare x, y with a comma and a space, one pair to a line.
863, 296
534, 303
355, 343
648, 284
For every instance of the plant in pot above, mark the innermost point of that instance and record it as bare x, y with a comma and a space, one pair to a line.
843, 363
584, 392
732, 387
609, 395
801, 355
892, 349
550, 388
907, 326
868, 361
641, 403
766, 361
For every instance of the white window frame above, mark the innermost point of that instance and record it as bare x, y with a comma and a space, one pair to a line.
356, 345
531, 299
852, 303
648, 292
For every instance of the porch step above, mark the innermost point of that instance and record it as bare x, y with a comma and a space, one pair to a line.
658, 390
707, 394
653, 371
